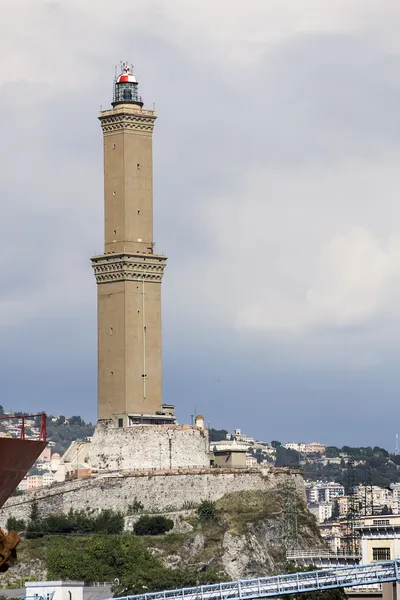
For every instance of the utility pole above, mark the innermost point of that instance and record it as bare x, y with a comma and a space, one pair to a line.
352, 508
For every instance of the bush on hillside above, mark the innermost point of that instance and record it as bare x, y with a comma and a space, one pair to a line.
135, 507
124, 558
14, 524
107, 521
152, 525
207, 510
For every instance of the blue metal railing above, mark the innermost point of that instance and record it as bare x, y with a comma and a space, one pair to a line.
295, 583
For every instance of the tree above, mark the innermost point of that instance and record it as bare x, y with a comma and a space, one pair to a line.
335, 510
34, 513
286, 457
332, 452
14, 524
76, 420
153, 525
217, 435
275, 444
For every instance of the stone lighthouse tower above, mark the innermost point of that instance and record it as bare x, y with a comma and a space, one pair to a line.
129, 273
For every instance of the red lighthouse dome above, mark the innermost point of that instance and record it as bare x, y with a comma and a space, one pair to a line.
126, 76
126, 88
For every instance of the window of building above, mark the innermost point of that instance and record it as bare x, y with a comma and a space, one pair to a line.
380, 553
120, 422
381, 522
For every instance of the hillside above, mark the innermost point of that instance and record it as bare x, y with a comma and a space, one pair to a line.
243, 537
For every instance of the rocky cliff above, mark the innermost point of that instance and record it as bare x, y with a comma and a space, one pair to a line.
247, 538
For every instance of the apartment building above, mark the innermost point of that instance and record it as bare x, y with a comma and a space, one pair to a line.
323, 491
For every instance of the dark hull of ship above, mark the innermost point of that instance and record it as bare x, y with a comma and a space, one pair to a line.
16, 458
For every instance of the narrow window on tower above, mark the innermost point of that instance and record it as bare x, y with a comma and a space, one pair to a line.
138, 212
114, 146
114, 193
138, 166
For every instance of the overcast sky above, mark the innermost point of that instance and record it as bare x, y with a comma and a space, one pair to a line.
277, 201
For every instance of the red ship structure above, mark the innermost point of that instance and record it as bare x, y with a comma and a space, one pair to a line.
17, 456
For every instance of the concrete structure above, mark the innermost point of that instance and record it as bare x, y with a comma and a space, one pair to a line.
199, 421
55, 461
23, 485
55, 590
322, 510
315, 448
229, 454
129, 273
241, 437
295, 446
323, 492
47, 479
379, 538
381, 498
156, 490
148, 447
34, 482
312, 448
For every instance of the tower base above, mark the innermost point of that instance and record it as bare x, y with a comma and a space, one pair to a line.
148, 447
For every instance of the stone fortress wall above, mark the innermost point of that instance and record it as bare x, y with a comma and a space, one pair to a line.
156, 490
148, 447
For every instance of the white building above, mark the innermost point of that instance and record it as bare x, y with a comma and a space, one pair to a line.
251, 461
322, 511
323, 492
48, 478
295, 446
241, 437
55, 590
23, 485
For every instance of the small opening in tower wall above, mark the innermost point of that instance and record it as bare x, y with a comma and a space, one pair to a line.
111, 330
112, 373
114, 193
138, 212
115, 231
114, 146
138, 166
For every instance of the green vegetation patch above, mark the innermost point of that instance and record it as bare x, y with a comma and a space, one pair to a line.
240, 508
105, 558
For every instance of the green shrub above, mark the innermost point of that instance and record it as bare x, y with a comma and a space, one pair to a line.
152, 525
109, 558
135, 507
107, 521
207, 511
14, 524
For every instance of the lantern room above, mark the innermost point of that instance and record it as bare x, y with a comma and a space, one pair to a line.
126, 88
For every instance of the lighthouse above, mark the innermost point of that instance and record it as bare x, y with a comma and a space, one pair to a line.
129, 272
